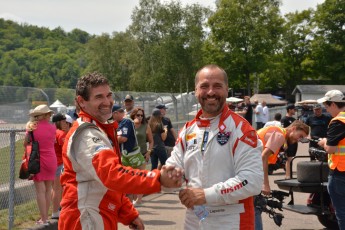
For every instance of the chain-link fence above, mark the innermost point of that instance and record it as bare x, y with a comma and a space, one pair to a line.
17, 197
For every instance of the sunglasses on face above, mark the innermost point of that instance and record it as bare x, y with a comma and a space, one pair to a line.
139, 115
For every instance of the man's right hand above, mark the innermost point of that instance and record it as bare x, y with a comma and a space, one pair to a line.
171, 177
266, 190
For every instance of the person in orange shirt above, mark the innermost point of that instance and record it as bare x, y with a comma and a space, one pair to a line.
273, 138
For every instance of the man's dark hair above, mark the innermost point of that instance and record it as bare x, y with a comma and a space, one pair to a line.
277, 116
212, 66
88, 81
338, 104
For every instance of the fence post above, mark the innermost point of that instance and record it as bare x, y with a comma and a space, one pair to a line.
12, 179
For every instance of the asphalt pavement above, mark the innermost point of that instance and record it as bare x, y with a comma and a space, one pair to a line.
164, 210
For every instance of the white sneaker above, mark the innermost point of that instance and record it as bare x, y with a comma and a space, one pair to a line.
56, 215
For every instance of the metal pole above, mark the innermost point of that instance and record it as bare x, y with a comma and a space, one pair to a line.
45, 96
12, 179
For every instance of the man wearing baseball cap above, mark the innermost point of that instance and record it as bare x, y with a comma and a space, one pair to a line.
129, 105
318, 123
171, 136
334, 144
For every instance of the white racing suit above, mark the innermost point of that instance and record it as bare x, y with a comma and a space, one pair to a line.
223, 156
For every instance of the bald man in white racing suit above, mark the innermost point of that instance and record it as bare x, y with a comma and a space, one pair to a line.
220, 153
229, 170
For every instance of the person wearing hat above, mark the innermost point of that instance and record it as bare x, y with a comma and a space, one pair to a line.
291, 150
334, 144
63, 124
159, 133
129, 105
94, 181
43, 181
130, 150
318, 123
171, 136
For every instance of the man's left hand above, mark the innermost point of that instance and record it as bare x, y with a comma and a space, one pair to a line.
171, 177
192, 196
137, 224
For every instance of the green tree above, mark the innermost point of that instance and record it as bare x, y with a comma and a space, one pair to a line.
328, 46
169, 41
244, 35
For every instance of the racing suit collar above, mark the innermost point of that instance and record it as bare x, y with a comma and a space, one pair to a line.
108, 128
206, 123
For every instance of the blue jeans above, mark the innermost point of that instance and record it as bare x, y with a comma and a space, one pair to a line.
160, 154
258, 218
336, 190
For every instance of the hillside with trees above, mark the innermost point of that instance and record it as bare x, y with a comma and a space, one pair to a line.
167, 43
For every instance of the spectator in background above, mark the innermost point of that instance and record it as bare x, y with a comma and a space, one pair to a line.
306, 111
129, 105
258, 111
159, 136
275, 122
171, 136
129, 147
43, 181
63, 124
265, 113
144, 134
247, 111
291, 150
318, 123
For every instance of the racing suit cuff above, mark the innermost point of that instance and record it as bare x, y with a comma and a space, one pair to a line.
210, 195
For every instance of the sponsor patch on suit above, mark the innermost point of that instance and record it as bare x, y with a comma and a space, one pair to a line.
223, 137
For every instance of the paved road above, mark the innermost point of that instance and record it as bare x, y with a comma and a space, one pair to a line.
164, 211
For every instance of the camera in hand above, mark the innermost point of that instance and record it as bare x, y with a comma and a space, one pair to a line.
269, 203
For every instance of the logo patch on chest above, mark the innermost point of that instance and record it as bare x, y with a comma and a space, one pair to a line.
223, 137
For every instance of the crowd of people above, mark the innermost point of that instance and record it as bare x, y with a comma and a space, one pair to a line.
94, 171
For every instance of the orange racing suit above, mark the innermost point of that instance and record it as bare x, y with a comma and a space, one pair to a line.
94, 181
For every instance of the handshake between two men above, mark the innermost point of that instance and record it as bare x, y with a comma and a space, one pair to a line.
172, 177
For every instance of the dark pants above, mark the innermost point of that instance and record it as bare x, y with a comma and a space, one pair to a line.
336, 190
259, 125
158, 154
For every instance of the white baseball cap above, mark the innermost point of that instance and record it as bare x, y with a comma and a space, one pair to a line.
69, 118
332, 95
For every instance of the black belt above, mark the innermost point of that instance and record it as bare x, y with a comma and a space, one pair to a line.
336, 172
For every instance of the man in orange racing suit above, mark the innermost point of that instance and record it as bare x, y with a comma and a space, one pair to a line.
94, 181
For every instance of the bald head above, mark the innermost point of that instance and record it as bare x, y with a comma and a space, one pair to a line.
210, 68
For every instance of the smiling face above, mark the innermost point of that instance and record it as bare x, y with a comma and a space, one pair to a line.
99, 104
211, 91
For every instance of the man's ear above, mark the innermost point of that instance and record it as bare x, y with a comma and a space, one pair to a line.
80, 100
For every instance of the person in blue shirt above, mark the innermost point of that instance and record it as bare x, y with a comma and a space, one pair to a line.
125, 132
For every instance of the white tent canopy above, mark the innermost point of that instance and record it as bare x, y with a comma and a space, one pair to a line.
57, 104
58, 107
233, 99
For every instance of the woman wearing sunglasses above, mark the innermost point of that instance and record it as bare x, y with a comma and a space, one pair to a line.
144, 135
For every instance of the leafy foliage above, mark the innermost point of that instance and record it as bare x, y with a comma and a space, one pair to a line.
167, 43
